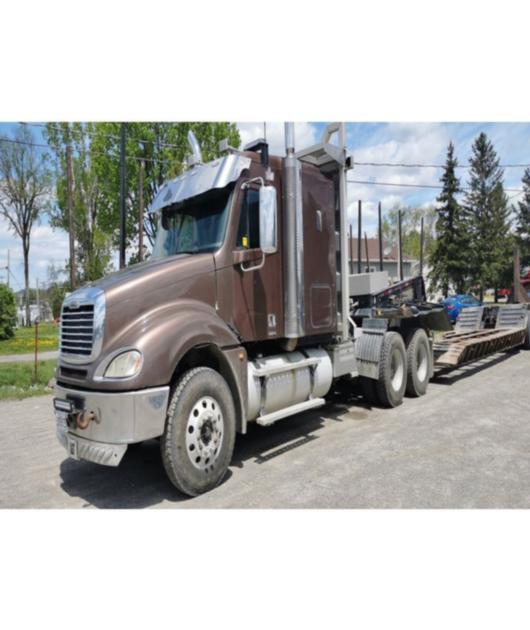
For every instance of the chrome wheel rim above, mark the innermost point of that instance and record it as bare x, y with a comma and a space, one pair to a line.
397, 370
204, 433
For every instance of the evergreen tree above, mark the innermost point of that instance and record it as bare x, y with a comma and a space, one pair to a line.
449, 260
487, 212
522, 221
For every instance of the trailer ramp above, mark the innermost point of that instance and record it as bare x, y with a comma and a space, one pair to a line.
465, 344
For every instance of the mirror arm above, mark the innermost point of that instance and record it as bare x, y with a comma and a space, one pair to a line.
246, 184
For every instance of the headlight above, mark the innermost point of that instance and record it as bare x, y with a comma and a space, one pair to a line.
124, 365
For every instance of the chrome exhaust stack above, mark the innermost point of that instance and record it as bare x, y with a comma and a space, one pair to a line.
293, 242
196, 155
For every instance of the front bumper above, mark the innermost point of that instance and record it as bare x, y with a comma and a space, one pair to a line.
120, 419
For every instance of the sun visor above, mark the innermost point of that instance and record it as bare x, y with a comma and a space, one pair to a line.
200, 179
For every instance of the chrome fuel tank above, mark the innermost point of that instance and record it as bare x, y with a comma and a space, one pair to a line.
283, 380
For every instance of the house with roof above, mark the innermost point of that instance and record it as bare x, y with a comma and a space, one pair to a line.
370, 261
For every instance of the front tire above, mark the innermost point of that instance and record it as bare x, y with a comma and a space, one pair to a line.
392, 370
419, 363
199, 437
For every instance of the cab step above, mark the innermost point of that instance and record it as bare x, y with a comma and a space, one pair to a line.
270, 418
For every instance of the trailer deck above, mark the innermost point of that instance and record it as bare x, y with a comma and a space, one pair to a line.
471, 341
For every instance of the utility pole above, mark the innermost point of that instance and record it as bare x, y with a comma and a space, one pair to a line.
70, 202
37, 297
122, 196
141, 213
367, 253
400, 248
359, 234
380, 234
421, 246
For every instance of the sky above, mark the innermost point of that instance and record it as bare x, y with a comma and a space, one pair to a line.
409, 143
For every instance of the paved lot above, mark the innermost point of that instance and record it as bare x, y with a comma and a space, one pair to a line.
465, 444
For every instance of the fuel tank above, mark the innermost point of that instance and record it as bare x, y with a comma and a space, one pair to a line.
282, 380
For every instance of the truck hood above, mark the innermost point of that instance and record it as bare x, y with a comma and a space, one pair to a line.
159, 274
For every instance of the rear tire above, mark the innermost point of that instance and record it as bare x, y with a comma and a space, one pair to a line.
419, 363
199, 437
392, 381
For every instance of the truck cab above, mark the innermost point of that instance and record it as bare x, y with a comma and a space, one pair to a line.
244, 312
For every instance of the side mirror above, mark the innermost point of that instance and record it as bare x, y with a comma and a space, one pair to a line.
267, 220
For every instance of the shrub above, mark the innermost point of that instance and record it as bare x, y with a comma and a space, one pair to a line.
8, 312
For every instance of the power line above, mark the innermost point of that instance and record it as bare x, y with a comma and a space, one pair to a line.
436, 187
110, 135
95, 153
350, 181
376, 164
409, 165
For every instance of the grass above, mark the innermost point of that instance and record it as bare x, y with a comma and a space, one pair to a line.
24, 340
17, 379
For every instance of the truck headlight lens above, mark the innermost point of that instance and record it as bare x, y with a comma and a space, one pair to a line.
124, 365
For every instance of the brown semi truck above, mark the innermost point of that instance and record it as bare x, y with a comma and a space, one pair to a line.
245, 312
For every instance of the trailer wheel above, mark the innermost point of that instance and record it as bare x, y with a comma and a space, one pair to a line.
419, 363
392, 371
199, 437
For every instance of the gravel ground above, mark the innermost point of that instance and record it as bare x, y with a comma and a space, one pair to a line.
465, 444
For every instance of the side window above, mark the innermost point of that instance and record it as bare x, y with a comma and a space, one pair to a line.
248, 231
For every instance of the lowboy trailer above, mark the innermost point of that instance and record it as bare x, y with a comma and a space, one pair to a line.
245, 312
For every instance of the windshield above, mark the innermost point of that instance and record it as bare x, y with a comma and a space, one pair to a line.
193, 226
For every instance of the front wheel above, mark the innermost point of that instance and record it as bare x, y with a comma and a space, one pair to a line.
392, 380
199, 437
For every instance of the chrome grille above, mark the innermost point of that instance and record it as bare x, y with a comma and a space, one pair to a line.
77, 329
82, 325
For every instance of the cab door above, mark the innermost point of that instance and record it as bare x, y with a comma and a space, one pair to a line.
257, 283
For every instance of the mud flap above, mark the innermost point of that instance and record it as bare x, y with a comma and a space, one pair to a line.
368, 347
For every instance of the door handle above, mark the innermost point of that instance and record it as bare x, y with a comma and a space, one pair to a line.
254, 267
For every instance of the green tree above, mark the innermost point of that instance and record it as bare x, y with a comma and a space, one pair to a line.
93, 247
449, 260
25, 186
410, 230
8, 312
522, 220
163, 147
487, 217
57, 289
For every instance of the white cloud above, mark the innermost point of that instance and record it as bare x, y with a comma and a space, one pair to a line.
404, 143
47, 246
305, 135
